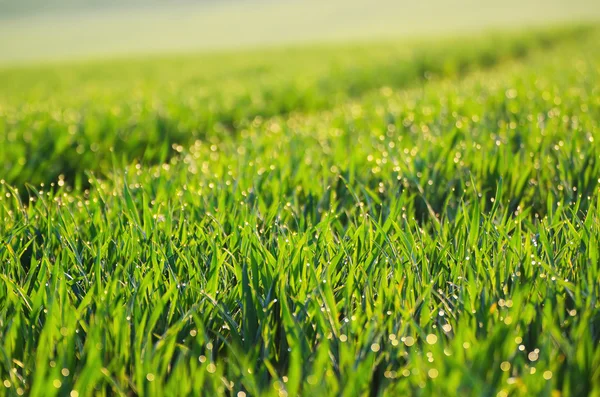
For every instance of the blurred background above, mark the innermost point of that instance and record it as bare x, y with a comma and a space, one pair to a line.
41, 30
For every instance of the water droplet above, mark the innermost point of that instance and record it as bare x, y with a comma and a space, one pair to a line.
432, 339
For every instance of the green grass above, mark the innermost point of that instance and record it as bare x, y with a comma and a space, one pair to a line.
418, 219
65, 119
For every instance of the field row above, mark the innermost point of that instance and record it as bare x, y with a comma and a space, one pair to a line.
62, 120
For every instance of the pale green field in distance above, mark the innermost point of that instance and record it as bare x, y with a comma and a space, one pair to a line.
64, 32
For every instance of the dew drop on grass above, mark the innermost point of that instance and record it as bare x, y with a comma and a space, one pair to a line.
277, 385
431, 339
433, 373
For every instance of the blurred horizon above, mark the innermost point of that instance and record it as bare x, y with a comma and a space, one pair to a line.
37, 31
24, 8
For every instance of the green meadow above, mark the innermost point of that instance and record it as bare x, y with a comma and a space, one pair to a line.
369, 218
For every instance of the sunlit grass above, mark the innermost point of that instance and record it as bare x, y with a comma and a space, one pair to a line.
435, 236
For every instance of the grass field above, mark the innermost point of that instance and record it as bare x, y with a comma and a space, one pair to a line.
392, 218
34, 30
